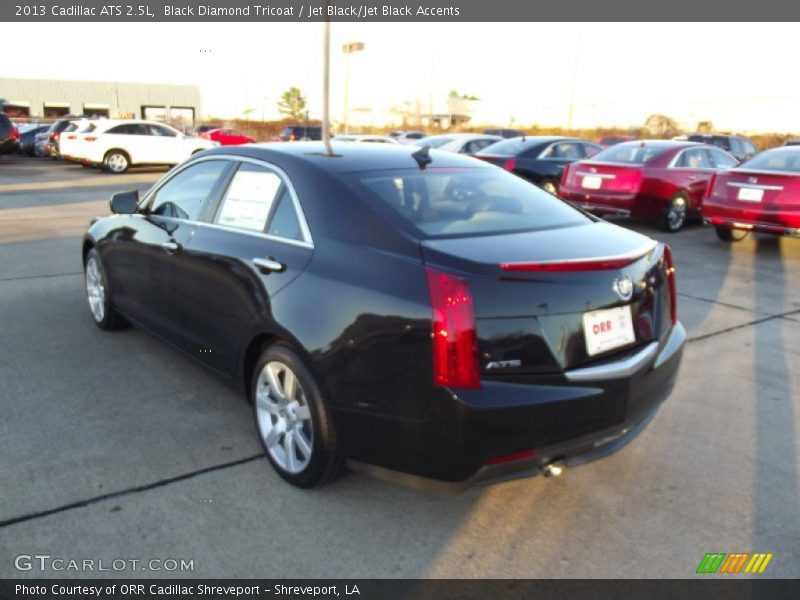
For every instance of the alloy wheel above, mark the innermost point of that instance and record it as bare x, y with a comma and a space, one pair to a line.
95, 290
284, 417
676, 214
117, 163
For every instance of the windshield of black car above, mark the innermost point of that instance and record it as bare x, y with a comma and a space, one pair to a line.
456, 202
779, 160
635, 153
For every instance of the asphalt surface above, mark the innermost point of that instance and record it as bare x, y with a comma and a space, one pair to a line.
113, 446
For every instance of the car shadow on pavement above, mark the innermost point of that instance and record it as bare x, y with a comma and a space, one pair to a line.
776, 490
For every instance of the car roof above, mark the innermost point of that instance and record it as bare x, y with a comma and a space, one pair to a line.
347, 157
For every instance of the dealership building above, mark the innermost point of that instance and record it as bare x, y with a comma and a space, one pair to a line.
52, 98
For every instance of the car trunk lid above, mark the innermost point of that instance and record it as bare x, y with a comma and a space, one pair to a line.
537, 295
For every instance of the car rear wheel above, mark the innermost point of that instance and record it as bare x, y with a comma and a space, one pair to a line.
116, 162
675, 212
293, 423
730, 235
550, 185
98, 294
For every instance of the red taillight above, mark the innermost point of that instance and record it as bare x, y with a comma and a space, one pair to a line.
627, 180
673, 292
455, 347
565, 175
54, 136
510, 164
90, 138
710, 188
14, 133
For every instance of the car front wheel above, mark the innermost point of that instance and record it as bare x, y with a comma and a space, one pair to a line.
98, 293
293, 423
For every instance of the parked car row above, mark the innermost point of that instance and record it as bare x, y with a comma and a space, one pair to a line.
672, 181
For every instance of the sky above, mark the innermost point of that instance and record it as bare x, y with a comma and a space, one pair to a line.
740, 76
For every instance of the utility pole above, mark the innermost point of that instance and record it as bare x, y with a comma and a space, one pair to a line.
326, 79
348, 49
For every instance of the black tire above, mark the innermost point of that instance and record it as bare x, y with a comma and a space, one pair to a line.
324, 463
116, 162
102, 309
550, 186
675, 213
730, 235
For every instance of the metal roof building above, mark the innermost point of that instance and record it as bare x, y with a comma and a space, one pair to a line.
52, 98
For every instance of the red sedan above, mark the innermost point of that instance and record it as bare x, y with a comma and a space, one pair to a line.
659, 180
763, 194
227, 137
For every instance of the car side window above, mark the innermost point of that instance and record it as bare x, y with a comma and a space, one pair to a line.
694, 158
158, 130
563, 150
722, 160
590, 150
119, 130
284, 222
749, 148
737, 149
185, 195
249, 198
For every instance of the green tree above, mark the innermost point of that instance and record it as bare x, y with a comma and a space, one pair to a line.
292, 103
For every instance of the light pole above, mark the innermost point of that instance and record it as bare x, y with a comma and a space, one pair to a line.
348, 49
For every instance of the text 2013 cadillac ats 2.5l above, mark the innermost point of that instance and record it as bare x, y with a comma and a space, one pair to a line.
414, 314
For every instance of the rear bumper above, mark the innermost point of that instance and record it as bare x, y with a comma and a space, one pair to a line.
541, 421
757, 218
622, 204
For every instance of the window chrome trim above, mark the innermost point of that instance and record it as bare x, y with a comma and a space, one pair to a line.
746, 171
306, 242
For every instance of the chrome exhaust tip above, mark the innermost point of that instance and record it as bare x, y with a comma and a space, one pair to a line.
553, 469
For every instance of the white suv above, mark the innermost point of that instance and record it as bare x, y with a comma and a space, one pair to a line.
117, 145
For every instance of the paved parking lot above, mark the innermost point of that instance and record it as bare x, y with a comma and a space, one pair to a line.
113, 446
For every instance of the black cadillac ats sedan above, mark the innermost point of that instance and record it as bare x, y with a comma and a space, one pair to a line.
424, 317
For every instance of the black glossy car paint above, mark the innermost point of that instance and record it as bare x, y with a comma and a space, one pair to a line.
354, 303
528, 162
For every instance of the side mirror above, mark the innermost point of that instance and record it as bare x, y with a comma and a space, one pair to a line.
125, 203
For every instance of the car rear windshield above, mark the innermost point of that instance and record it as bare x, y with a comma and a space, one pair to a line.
779, 160
635, 154
461, 202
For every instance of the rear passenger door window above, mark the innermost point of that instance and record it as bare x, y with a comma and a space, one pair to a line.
259, 200
249, 199
694, 158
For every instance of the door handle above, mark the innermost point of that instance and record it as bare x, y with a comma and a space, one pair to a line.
268, 264
171, 246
